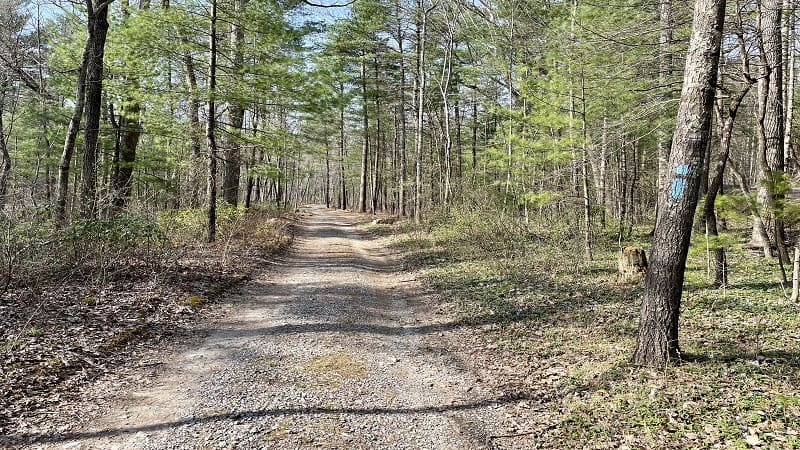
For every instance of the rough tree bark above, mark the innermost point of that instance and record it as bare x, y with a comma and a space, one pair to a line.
211, 143
657, 341
98, 30
789, 37
770, 124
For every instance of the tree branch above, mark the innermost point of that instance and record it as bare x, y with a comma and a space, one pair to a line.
335, 5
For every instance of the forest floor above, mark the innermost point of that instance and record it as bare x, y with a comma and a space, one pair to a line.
461, 334
571, 326
333, 346
103, 312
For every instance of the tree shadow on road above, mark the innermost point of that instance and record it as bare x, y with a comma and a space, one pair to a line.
251, 415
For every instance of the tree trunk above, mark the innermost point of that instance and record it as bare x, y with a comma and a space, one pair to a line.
789, 40
587, 209
251, 180
5, 163
796, 274
657, 340
98, 30
377, 154
232, 157
420, 100
195, 131
631, 264
770, 123
62, 190
474, 143
342, 177
362, 187
459, 118
211, 143
327, 174
665, 64
717, 168
129, 132
622, 200
603, 167
444, 90
401, 200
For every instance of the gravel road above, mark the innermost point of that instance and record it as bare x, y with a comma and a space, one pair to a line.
334, 347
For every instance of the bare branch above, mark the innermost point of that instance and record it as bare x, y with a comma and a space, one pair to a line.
334, 5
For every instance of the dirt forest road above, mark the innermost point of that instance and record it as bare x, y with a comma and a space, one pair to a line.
333, 348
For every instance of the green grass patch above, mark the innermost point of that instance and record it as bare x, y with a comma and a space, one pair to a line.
195, 301
124, 338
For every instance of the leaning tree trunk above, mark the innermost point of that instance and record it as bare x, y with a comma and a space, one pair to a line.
657, 340
715, 184
71, 138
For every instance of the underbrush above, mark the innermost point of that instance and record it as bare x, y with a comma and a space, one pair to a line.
78, 299
33, 248
572, 328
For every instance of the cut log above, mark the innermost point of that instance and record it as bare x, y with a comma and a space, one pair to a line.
632, 264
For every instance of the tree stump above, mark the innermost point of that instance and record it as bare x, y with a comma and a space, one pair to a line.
632, 264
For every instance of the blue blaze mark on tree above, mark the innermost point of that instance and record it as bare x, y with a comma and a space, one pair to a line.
678, 185
682, 169
677, 188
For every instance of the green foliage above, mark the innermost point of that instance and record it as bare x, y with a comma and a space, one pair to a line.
34, 247
183, 224
120, 233
539, 199
734, 206
101, 246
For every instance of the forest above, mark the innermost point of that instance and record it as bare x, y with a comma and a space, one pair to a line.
596, 176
